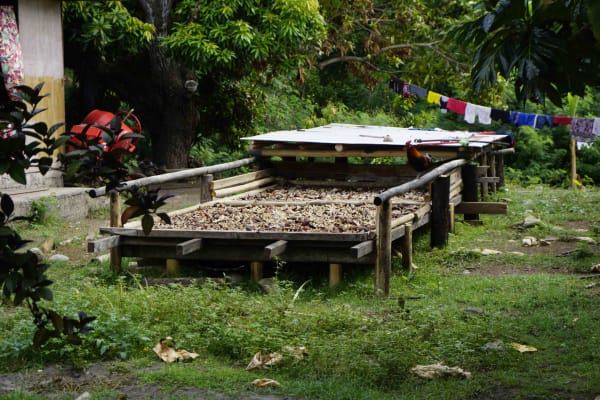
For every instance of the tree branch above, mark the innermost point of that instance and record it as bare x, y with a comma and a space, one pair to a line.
366, 59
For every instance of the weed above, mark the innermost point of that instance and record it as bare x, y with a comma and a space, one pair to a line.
43, 211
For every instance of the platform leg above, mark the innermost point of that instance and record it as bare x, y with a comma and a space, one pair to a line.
256, 270
335, 274
115, 221
172, 267
383, 263
406, 248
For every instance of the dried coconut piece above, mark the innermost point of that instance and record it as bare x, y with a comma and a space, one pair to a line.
266, 382
439, 371
168, 354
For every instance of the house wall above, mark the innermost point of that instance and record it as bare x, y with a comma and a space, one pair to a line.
40, 31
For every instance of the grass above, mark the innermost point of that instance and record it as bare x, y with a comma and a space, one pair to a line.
452, 308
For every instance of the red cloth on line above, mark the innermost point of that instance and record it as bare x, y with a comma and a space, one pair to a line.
456, 106
560, 120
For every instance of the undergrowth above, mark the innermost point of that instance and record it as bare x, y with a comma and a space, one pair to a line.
359, 346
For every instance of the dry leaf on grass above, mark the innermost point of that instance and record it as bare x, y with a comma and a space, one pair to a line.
260, 361
523, 348
440, 371
169, 355
266, 382
595, 268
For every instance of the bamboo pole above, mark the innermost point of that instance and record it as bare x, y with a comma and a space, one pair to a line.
174, 176
417, 183
115, 221
573, 150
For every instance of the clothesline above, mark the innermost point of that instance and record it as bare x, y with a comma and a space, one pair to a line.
583, 130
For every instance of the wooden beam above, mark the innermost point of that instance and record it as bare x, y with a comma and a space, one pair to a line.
488, 179
362, 249
467, 207
205, 188
187, 247
276, 248
103, 244
240, 179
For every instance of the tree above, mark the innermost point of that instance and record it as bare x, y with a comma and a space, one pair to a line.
179, 63
548, 48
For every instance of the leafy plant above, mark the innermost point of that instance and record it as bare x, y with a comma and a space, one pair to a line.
22, 274
104, 158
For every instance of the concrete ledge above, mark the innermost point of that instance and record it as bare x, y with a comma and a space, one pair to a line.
71, 203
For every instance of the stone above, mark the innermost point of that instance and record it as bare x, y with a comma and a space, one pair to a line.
59, 258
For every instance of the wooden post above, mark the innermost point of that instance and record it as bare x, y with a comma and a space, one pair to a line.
440, 224
115, 221
335, 274
469, 177
500, 169
452, 214
484, 185
205, 192
172, 267
573, 150
406, 247
256, 271
493, 170
383, 263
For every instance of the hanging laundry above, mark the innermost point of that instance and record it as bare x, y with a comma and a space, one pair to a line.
473, 111
522, 119
433, 97
444, 104
457, 106
542, 121
561, 120
582, 130
418, 91
500, 115
396, 85
11, 56
596, 127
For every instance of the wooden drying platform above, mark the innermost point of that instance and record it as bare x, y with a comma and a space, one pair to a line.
320, 158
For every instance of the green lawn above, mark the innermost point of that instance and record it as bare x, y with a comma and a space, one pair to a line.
458, 308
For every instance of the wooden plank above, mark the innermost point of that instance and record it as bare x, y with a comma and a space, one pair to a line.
332, 170
346, 152
115, 221
243, 235
205, 188
189, 246
243, 188
362, 249
240, 179
467, 207
275, 249
274, 203
103, 244
488, 179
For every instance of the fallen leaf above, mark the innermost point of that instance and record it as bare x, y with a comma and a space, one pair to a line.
438, 370
523, 348
260, 361
168, 354
266, 382
595, 268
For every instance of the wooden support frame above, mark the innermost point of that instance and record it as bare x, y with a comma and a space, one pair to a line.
406, 249
363, 248
105, 243
256, 271
115, 221
470, 190
335, 274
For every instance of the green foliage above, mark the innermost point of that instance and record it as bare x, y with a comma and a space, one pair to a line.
22, 274
108, 28
546, 48
42, 211
144, 202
